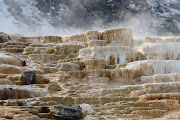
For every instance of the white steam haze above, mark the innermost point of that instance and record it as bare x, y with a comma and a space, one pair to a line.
24, 17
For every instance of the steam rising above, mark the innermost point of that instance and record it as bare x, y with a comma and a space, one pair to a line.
61, 17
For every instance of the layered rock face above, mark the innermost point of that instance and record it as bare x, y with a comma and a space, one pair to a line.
106, 75
94, 64
121, 36
161, 51
150, 67
3, 37
6, 59
19, 92
111, 54
49, 39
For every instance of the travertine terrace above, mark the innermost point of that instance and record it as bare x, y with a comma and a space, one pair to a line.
120, 77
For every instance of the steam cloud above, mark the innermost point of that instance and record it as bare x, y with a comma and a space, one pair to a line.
61, 17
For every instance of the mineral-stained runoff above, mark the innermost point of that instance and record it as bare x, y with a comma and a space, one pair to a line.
98, 75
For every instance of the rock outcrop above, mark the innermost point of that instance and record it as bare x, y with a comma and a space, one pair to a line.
19, 92
121, 36
50, 39
111, 54
3, 37
161, 51
70, 112
96, 75
28, 77
10, 60
91, 64
150, 67
93, 43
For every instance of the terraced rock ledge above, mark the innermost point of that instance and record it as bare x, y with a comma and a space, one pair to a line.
98, 75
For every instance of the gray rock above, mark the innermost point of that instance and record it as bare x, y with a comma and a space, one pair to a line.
1, 103
24, 63
68, 112
21, 103
43, 109
28, 77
